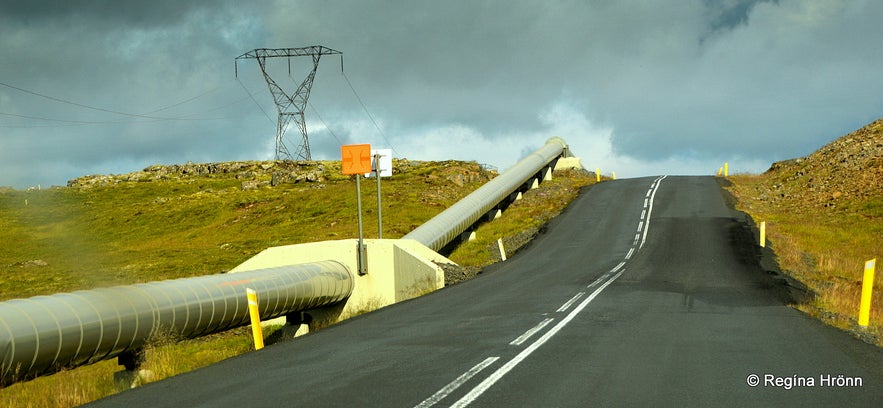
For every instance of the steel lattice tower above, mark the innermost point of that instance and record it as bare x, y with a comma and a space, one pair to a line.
290, 107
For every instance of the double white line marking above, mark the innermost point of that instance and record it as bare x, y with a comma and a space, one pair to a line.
533, 330
649, 207
448, 389
601, 283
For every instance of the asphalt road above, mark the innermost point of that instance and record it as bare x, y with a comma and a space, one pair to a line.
645, 292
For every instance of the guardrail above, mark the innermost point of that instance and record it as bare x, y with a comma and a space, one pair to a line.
43, 334
450, 223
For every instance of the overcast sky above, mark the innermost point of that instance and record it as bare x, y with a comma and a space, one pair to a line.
637, 87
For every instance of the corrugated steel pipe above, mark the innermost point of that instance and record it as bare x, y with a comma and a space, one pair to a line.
443, 228
42, 334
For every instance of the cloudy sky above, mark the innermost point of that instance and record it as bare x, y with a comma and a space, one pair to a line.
637, 87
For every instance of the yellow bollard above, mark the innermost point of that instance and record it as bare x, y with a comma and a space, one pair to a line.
255, 315
614, 175
763, 234
598, 174
864, 310
720, 171
727, 169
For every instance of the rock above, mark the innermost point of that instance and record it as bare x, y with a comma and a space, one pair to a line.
309, 177
455, 273
34, 263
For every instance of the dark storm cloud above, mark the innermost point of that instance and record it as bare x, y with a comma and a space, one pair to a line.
432, 62
156, 79
712, 77
133, 13
727, 14
647, 86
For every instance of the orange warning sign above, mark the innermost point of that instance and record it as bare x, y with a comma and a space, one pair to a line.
356, 159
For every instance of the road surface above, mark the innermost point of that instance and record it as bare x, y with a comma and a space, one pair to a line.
645, 292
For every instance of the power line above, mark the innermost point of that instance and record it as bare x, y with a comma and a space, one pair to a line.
57, 125
182, 102
149, 119
52, 98
255, 100
68, 122
323, 122
369, 113
215, 108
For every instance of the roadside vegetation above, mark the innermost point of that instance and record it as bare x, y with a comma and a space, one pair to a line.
522, 221
824, 219
170, 222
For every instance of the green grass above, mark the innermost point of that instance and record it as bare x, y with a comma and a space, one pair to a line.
134, 232
522, 220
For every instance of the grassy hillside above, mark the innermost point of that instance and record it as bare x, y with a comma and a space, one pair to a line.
112, 230
824, 216
186, 220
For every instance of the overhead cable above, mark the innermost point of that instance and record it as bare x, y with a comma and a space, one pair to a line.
369, 113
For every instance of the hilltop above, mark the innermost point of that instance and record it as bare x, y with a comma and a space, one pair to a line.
258, 174
849, 168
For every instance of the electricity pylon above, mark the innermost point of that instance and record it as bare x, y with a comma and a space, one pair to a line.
290, 106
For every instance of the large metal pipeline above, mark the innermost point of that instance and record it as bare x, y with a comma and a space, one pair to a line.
42, 334
450, 223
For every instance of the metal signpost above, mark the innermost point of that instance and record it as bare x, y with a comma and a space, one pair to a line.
381, 167
356, 159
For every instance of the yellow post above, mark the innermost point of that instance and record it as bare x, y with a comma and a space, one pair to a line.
614, 175
864, 310
720, 171
727, 169
255, 315
598, 174
763, 234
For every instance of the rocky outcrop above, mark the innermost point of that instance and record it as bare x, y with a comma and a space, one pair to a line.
850, 167
262, 174
254, 174
30, 264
